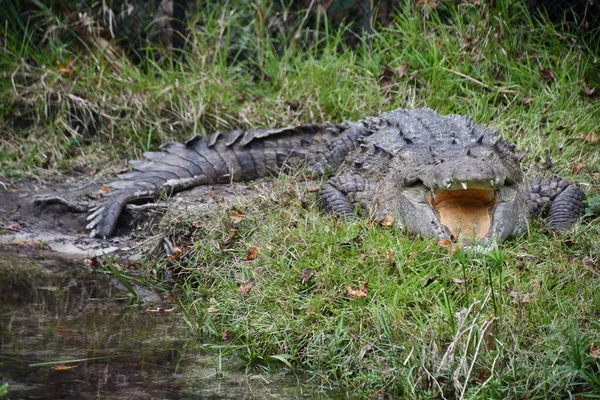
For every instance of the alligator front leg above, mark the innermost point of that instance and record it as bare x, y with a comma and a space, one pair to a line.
343, 194
560, 200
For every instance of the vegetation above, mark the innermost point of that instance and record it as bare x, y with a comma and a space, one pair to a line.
353, 304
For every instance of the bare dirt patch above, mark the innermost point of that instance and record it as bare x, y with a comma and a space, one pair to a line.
50, 215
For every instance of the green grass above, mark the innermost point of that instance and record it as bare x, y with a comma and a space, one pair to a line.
518, 322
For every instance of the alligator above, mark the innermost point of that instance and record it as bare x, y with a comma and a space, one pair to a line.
438, 176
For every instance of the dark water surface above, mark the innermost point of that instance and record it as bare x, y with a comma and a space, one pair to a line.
90, 341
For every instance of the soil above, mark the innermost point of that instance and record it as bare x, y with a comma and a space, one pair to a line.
59, 227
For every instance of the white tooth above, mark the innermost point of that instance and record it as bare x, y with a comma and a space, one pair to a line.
464, 185
492, 182
449, 185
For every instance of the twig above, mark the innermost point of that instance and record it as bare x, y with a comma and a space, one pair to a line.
477, 82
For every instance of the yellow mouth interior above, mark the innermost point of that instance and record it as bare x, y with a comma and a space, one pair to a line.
466, 213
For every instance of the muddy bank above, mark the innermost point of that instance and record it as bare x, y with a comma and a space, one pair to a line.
50, 215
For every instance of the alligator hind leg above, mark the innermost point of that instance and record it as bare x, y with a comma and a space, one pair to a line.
560, 200
342, 194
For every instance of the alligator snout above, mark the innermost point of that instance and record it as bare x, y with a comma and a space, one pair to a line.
464, 173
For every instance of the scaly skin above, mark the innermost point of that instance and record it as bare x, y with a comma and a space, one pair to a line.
437, 176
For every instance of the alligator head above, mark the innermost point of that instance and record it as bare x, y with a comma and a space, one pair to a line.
464, 198
450, 179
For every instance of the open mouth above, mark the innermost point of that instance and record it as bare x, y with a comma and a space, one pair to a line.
467, 213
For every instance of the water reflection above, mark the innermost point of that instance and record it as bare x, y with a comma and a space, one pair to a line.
66, 332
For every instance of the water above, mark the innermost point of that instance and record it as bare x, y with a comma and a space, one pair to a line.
69, 333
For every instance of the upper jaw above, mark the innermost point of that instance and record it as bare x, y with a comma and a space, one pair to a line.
475, 215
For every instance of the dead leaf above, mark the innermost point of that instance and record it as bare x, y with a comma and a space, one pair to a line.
226, 335
594, 351
236, 216
244, 289
252, 253
527, 101
401, 70
358, 293
458, 281
547, 75
590, 265
177, 253
364, 349
102, 191
591, 138
211, 308
306, 275
432, 4
577, 167
66, 69
64, 367
229, 239
92, 262
445, 243
588, 91
386, 221
212, 195
386, 80
198, 223
521, 298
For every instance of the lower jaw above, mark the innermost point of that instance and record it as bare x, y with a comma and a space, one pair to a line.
467, 214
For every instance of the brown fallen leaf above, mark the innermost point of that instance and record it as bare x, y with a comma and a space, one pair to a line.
594, 351
177, 253
386, 80
211, 308
102, 191
401, 70
358, 293
527, 101
590, 265
445, 243
236, 216
229, 239
66, 69
591, 138
577, 167
212, 195
386, 221
588, 91
521, 298
547, 75
244, 289
226, 335
64, 367
252, 253
92, 262
432, 4
306, 275
364, 349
